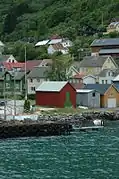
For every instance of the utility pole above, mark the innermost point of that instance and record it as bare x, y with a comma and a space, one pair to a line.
4, 100
25, 76
102, 20
14, 97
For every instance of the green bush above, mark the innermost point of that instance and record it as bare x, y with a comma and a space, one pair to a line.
27, 106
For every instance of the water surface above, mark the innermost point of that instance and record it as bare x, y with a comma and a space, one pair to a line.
85, 155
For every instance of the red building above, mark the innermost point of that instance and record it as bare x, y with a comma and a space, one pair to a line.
54, 94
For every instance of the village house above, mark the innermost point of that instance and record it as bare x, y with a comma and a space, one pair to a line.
95, 64
57, 48
36, 77
113, 27
30, 64
90, 79
106, 76
11, 82
2, 46
109, 46
109, 94
56, 94
88, 98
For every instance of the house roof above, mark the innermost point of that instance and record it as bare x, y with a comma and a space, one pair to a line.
39, 72
93, 61
86, 76
40, 43
46, 62
78, 76
52, 86
31, 64
4, 57
1, 43
58, 46
104, 72
84, 90
101, 88
116, 78
55, 41
77, 85
9, 66
105, 42
109, 51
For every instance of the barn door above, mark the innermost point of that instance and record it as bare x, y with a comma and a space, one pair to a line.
67, 100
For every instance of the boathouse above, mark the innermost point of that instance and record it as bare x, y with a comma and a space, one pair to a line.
56, 94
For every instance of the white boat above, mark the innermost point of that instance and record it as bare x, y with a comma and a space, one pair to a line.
98, 122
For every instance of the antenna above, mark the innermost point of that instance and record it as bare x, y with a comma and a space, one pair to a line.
102, 19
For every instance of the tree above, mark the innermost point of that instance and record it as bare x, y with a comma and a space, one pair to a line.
59, 67
27, 106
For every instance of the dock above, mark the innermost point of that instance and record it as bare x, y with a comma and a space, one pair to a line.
88, 128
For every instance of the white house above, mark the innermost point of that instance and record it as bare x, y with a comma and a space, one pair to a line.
89, 79
106, 76
57, 48
8, 58
36, 77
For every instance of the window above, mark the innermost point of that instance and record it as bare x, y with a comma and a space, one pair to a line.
31, 80
32, 88
105, 81
109, 74
93, 94
7, 77
102, 81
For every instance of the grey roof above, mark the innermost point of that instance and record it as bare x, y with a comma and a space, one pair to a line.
93, 61
3, 58
104, 72
39, 72
52, 86
105, 42
109, 51
101, 88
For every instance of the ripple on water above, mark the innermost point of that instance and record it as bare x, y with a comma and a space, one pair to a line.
90, 155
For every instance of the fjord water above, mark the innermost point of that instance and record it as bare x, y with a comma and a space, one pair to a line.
84, 155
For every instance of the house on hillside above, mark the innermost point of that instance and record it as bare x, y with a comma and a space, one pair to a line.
106, 76
57, 48
12, 82
95, 64
90, 79
113, 27
8, 59
56, 94
36, 77
109, 46
41, 43
109, 94
30, 64
2, 46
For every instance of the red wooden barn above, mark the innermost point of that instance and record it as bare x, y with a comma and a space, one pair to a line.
54, 94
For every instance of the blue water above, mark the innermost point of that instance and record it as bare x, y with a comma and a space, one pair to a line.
90, 155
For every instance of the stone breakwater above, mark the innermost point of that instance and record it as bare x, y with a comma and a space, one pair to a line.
73, 118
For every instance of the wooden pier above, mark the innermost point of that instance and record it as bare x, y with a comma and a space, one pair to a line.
88, 128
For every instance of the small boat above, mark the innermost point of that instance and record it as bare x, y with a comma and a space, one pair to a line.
98, 122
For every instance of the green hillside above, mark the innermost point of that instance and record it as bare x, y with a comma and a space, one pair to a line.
38, 19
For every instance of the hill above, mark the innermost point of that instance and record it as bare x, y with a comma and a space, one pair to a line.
37, 19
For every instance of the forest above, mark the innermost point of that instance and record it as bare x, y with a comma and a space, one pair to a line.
34, 20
